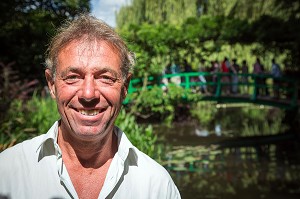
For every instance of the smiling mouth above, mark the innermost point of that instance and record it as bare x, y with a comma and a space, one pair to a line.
89, 112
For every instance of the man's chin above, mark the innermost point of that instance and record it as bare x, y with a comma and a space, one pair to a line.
92, 133
90, 136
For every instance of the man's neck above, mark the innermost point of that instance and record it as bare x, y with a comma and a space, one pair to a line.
87, 154
87, 162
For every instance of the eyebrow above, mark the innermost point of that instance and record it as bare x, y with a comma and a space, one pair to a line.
108, 69
70, 69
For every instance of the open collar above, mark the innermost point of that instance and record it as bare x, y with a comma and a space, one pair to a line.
49, 144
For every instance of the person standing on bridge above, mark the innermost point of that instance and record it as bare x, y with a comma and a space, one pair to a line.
244, 78
235, 77
276, 73
176, 69
187, 66
257, 70
84, 155
226, 67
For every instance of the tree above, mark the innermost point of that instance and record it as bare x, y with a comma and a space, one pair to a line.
27, 25
272, 23
156, 12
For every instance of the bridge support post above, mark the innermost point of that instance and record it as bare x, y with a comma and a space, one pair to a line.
254, 95
219, 86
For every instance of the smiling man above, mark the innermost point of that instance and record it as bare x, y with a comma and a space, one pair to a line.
84, 155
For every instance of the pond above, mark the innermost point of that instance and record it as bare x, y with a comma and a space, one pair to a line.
241, 157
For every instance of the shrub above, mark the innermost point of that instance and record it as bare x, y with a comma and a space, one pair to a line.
152, 103
159, 104
26, 119
142, 137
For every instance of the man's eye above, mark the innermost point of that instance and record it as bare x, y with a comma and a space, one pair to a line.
71, 78
107, 79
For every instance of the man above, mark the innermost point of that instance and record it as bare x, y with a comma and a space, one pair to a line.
84, 155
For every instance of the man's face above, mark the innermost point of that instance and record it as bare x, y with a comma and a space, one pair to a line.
88, 88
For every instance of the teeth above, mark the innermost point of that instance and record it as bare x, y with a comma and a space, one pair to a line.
89, 112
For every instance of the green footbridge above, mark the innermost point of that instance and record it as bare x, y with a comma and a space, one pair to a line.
223, 88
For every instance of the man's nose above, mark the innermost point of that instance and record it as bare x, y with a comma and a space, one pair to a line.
89, 89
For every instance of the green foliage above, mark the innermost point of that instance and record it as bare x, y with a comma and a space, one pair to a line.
140, 136
203, 34
177, 11
152, 103
26, 119
159, 103
42, 113
211, 38
12, 86
159, 11
26, 27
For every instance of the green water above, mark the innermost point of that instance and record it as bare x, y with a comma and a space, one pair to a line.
230, 159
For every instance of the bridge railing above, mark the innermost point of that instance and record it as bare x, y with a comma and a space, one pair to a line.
256, 88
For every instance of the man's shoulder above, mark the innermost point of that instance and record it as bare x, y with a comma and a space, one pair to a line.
140, 164
150, 173
30, 146
24, 148
140, 161
151, 167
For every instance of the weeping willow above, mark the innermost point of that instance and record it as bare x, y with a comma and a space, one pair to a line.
177, 11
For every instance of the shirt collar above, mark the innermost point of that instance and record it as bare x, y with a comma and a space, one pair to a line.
51, 134
125, 147
49, 144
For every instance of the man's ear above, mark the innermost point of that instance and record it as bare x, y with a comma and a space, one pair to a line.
50, 82
126, 85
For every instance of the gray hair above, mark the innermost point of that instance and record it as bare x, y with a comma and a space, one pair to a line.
90, 28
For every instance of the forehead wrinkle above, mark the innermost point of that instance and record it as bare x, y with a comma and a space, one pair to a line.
93, 47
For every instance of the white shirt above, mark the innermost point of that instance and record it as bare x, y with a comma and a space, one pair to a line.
34, 169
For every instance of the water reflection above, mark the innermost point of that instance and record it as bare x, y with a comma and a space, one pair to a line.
216, 162
211, 172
